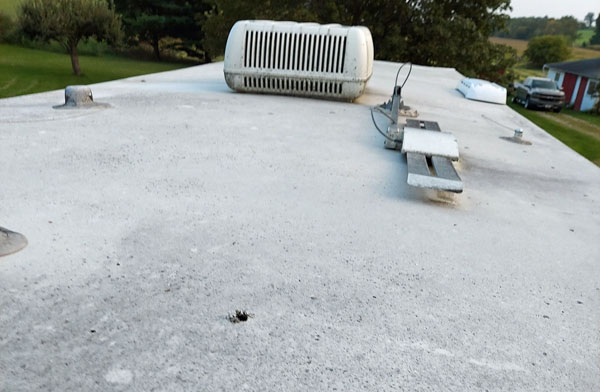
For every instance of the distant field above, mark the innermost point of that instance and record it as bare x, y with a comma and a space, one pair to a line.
27, 71
520, 45
9, 6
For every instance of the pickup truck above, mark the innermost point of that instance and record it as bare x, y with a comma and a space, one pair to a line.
539, 92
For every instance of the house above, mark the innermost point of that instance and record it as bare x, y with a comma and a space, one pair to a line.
579, 80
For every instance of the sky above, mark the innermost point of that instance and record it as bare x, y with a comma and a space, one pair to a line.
555, 8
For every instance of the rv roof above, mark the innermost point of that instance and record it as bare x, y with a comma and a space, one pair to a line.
150, 221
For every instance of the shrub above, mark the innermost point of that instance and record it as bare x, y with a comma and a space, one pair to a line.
596, 37
7, 27
547, 49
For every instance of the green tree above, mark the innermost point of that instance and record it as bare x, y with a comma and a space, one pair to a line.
588, 19
222, 16
527, 28
70, 21
520, 28
455, 34
547, 49
596, 38
566, 26
154, 20
7, 25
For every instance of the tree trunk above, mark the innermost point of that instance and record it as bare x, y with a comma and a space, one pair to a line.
155, 43
74, 59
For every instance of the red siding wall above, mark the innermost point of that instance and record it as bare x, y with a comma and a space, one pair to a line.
568, 86
580, 93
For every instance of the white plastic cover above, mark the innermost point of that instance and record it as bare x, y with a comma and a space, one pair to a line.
299, 59
482, 90
430, 143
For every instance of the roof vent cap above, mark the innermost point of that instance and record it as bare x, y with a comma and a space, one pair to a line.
482, 90
79, 96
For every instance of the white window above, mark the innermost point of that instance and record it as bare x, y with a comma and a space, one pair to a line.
557, 76
592, 85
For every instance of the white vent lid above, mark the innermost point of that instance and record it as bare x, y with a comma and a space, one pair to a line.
482, 90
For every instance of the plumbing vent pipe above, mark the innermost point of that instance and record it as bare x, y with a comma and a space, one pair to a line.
78, 97
518, 133
517, 137
306, 59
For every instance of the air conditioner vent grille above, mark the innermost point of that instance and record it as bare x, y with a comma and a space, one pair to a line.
295, 51
300, 87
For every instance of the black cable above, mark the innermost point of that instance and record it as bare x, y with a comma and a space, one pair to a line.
381, 111
379, 130
398, 74
395, 84
407, 75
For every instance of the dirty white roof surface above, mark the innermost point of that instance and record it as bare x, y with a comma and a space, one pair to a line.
151, 221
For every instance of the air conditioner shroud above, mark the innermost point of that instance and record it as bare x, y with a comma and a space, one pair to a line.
306, 59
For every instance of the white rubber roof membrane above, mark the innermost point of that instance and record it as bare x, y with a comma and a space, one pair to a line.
151, 222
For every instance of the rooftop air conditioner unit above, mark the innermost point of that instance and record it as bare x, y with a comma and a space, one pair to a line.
308, 59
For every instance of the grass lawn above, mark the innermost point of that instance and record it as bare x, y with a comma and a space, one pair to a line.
520, 45
580, 131
584, 36
26, 71
592, 119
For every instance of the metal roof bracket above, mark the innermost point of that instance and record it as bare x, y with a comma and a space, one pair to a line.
434, 171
